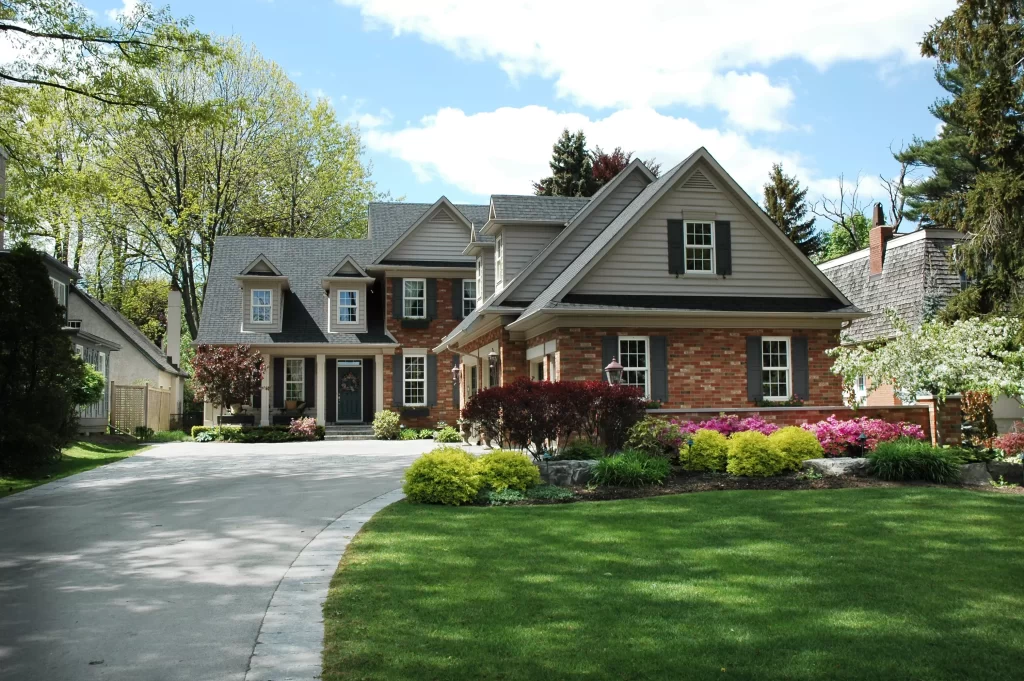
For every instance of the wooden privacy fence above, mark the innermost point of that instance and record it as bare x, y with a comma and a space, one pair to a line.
132, 406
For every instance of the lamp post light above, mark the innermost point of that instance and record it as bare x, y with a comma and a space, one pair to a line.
614, 372
455, 374
492, 359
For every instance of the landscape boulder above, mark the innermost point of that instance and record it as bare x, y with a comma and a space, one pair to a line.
567, 473
838, 466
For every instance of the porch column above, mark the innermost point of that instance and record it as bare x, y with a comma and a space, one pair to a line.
265, 394
321, 390
378, 383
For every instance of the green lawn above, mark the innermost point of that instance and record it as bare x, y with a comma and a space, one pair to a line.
80, 456
897, 583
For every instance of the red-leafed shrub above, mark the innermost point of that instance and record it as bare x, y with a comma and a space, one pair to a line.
1012, 443
226, 375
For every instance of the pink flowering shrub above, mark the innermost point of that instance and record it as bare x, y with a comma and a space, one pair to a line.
1012, 443
303, 427
840, 438
727, 424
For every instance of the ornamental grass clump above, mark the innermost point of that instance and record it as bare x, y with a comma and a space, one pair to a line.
752, 454
908, 459
632, 469
796, 445
707, 451
445, 475
504, 469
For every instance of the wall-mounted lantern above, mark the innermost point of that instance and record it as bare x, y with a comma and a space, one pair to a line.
614, 372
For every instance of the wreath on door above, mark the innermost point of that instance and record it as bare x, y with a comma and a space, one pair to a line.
349, 383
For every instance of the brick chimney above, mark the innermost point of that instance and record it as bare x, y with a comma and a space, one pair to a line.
173, 336
880, 235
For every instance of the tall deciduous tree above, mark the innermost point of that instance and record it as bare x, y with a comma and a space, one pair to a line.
843, 239
977, 160
572, 170
785, 201
609, 164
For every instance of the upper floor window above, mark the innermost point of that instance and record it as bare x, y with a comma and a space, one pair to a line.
414, 299
415, 380
262, 305
775, 368
348, 307
499, 257
468, 296
101, 363
700, 246
75, 323
479, 280
295, 379
633, 356
60, 291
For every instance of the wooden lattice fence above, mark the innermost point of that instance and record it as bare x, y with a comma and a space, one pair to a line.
132, 406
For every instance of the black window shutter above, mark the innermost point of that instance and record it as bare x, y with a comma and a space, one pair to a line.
396, 298
278, 402
431, 380
456, 299
397, 373
431, 298
368, 388
755, 389
675, 247
331, 390
723, 247
455, 384
801, 371
609, 349
311, 381
659, 368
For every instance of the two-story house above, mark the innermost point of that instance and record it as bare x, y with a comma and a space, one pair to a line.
682, 278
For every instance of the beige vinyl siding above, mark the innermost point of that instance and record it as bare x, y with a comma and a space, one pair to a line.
441, 237
638, 264
486, 260
332, 308
580, 238
522, 243
275, 312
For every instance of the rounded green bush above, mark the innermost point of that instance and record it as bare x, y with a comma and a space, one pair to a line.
504, 469
448, 435
708, 451
752, 454
445, 475
796, 445
386, 425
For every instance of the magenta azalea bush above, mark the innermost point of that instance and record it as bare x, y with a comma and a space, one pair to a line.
303, 427
727, 424
837, 437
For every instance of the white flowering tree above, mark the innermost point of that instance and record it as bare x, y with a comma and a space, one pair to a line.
941, 359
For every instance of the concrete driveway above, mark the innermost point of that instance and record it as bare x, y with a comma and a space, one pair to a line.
161, 566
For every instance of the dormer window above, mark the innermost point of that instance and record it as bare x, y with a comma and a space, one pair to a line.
348, 307
262, 306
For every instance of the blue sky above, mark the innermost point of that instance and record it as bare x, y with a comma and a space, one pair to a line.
464, 98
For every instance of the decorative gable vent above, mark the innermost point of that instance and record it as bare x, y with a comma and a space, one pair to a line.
698, 181
442, 216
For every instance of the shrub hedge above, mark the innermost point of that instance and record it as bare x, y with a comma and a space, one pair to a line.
707, 450
908, 459
632, 469
752, 454
251, 434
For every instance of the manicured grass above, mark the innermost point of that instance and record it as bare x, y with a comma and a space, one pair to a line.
898, 583
80, 456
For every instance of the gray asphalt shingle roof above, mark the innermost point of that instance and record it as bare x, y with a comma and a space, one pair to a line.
509, 207
389, 221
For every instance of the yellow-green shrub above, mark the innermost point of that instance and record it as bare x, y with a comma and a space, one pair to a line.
707, 451
503, 469
796, 445
751, 453
445, 475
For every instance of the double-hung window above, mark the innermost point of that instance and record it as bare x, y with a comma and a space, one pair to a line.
295, 379
633, 356
479, 280
414, 298
700, 247
775, 368
499, 258
348, 307
60, 291
262, 302
415, 386
468, 296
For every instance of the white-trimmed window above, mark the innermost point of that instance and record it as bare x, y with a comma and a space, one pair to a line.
79, 350
468, 296
295, 379
101, 363
634, 358
414, 391
499, 257
776, 366
860, 389
348, 307
414, 298
60, 291
261, 307
74, 323
700, 247
479, 280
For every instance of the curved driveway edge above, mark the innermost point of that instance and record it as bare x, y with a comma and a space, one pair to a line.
290, 641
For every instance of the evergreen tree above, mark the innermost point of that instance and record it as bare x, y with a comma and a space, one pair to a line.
977, 160
786, 204
572, 170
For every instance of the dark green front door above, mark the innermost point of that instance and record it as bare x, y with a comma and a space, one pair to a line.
350, 391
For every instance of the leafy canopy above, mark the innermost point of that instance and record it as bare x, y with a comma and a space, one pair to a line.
226, 375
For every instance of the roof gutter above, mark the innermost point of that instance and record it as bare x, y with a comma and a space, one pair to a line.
522, 322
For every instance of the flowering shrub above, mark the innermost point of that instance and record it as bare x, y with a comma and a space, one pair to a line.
1012, 443
727, 424
304, 427
386, 425
842, 438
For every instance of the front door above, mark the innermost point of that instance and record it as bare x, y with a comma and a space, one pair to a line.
350, 391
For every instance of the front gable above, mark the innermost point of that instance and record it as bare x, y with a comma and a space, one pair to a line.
440, 235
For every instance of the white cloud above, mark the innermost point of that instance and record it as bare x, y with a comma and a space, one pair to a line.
651, 54
127, 9
503, 151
